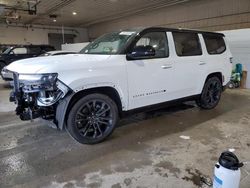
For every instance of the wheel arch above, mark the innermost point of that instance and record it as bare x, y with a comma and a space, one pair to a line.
210, 75
1, 61
64, 107
106, 90
215, 74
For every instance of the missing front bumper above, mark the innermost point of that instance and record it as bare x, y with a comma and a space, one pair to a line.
37, 102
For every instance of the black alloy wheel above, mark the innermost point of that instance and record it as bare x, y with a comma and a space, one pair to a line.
92, 119
211, 93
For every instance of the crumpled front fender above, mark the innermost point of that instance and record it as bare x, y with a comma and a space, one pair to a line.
61, 111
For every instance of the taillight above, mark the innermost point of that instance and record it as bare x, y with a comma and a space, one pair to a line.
231, 60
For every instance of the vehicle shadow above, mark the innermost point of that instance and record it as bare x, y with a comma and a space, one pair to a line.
136, 118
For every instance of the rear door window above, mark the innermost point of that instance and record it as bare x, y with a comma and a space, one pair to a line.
19, 51
215, 44
187, 44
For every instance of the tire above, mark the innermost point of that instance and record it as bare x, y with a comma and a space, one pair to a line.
231, 85
2, 65
92, 119
211, 94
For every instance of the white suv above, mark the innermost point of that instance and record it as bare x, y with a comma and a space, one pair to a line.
86, 93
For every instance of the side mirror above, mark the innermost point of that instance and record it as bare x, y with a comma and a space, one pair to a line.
141, 52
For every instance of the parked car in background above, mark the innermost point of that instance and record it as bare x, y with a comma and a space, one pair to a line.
57, 52
87, 93
18, 52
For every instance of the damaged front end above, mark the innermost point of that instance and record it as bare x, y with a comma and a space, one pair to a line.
37, 95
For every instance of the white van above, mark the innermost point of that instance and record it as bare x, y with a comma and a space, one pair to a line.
86, 93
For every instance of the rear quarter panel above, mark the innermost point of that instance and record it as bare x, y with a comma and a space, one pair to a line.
217, 63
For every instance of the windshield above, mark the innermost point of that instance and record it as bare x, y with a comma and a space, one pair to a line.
108, 44
7, 51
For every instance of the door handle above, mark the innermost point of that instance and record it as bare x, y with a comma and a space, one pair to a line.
166, 66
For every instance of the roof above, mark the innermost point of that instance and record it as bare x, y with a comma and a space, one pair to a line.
86, 10
59, 51
29, 45
142, 30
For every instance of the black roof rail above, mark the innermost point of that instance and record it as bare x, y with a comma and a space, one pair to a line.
179, 30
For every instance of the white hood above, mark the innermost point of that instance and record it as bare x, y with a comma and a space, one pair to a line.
55, 64
75, 70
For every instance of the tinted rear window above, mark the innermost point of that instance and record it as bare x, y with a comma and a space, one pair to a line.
34, 50
47, 48
187, 44
215, 44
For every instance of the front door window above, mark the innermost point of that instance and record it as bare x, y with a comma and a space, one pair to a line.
158, 40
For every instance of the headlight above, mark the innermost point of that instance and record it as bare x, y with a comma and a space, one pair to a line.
3, 71
38, 79
6, 74
46, 87
48, 98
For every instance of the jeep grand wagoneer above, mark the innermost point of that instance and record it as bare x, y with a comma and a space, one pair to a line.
121, 71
